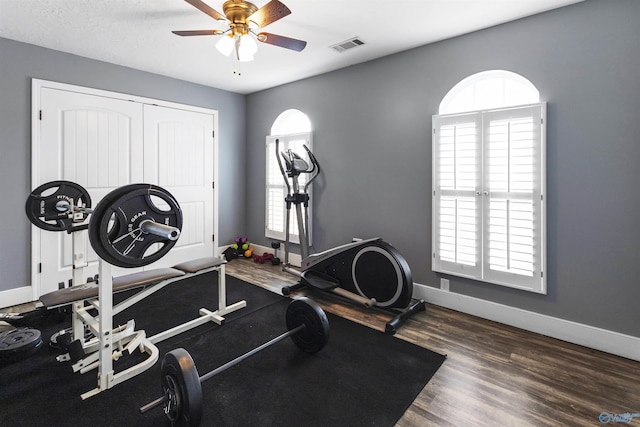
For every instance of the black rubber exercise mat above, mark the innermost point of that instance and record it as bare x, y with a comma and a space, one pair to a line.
361, 378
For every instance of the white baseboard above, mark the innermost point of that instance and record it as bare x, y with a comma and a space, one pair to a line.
16, 296
589, 336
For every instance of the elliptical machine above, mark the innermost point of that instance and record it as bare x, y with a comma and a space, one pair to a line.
368, 272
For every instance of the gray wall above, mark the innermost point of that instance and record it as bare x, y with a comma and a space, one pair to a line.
372, 135
20, 62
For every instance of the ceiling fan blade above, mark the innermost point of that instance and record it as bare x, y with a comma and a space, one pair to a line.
282, 41
269, 13
203, 7
198, 32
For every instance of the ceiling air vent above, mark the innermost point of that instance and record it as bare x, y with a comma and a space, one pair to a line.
347, 44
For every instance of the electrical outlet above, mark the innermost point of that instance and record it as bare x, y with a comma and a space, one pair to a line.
444, 284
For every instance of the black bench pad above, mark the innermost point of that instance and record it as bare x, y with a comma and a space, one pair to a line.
120, 283
200, 264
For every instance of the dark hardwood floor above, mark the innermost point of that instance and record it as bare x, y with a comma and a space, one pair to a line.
494, 375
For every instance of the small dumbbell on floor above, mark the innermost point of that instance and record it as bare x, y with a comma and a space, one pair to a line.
262, 258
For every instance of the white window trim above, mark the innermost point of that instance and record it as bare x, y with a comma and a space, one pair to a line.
479, 270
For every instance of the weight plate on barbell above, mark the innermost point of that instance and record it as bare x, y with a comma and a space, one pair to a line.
115, 232
182, 389
48, 206
316, 334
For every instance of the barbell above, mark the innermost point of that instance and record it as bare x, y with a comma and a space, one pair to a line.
307, 325
132, 226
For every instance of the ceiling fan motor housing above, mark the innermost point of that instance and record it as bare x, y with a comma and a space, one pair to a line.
237, 12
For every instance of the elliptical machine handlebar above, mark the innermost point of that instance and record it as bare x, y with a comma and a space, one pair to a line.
315, 167
284, 174
296, 165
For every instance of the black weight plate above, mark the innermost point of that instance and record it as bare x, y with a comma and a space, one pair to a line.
107, 200
19, 343
114, 231
182, 389
41, 205
305, 311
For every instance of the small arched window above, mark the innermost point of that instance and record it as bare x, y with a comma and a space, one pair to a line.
292, 128
290, 122
489, 181
489, 90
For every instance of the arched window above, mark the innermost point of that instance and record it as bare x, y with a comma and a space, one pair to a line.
489, 90
489, 181
291, 121
292, 128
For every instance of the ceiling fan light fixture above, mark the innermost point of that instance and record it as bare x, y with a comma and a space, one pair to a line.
243, 17
225, 45
247, 47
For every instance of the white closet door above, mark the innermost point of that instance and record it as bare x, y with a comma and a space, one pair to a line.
103, 140
179, 157
94, 141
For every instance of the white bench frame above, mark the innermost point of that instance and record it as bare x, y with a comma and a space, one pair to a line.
109, 344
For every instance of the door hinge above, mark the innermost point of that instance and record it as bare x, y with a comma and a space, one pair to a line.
213, 184
39, 267
213, 237
213, 134
40, 114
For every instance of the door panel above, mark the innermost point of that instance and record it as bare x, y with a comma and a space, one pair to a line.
178, 148
95, 142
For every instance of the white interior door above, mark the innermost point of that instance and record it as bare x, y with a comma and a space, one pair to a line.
94, 141
103, 141
178, 152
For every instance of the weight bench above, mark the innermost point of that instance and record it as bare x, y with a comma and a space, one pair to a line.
109, 344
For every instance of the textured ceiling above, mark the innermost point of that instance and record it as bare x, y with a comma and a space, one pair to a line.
137, 33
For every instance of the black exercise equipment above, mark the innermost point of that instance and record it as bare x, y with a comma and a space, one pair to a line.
132, 226
370, 272
19, 343
56, 205
275, 260
307, 325
129, 221
34, 317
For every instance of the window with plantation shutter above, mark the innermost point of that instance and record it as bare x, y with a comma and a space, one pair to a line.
488, 195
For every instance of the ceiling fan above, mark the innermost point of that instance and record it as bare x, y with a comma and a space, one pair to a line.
242, 17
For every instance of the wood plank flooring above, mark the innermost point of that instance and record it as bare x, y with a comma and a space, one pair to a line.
494, 375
